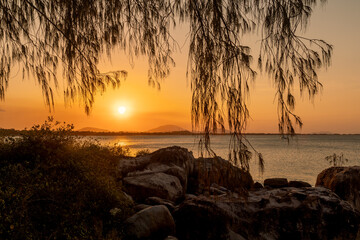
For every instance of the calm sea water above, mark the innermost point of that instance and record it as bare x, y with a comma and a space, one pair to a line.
301, 159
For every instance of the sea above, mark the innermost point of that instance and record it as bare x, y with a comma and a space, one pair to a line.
302, 158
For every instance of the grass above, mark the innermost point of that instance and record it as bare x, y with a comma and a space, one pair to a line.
55, 187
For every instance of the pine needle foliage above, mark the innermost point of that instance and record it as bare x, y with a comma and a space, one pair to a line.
41, 35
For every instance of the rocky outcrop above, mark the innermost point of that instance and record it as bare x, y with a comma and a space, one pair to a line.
209, 198
287, 213
344, 181
151, 223
171, 172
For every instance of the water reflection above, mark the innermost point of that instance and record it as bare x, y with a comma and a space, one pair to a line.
302, 159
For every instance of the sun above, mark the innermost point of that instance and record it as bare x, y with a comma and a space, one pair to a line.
122, 110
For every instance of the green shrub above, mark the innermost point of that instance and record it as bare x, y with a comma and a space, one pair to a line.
53, 186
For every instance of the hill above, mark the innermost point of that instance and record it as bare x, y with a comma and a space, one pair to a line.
167, 128
91, 129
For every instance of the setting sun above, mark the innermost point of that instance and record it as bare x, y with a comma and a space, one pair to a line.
122, 110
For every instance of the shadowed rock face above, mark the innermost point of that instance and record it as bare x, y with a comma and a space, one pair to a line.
276, 182
150, 223
299, 184
344, 181
287, 213
208, 171
200, 218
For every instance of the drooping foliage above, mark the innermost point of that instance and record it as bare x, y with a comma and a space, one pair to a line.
40, 35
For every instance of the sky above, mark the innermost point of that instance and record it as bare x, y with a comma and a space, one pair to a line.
335, 110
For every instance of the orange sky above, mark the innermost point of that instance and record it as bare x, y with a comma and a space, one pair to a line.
336, 109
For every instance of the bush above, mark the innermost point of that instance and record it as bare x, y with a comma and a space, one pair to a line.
336, 160
53, 186
142, 152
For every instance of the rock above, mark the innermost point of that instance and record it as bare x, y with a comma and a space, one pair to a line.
140, 207
216, 191
151, 223
153, 168
163, 173
208, 171
235, 236
172, 170
200, 218
180, 173
115, 211
257, 185
170, 238
221, 188
155, 184
188, 196
285, 213
276, 182
128, 197
127, 165
174, 156
299, 184
344, 181
170, 156
159, 201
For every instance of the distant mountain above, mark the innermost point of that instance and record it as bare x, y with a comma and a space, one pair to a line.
91, 129
167, 128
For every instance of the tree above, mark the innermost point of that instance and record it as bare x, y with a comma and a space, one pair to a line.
41, 35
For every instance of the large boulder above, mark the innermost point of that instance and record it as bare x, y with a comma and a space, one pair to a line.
344, 181
130, 164
156, 184
174, 156
284, 213
170, 156
209, 171
200, 218
153, 222
276, 182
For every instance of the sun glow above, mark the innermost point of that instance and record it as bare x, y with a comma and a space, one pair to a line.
122, 110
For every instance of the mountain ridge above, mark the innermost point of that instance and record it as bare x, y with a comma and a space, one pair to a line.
167, 128
92, 129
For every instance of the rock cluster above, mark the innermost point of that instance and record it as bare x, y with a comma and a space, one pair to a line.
180, 197
286, 213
